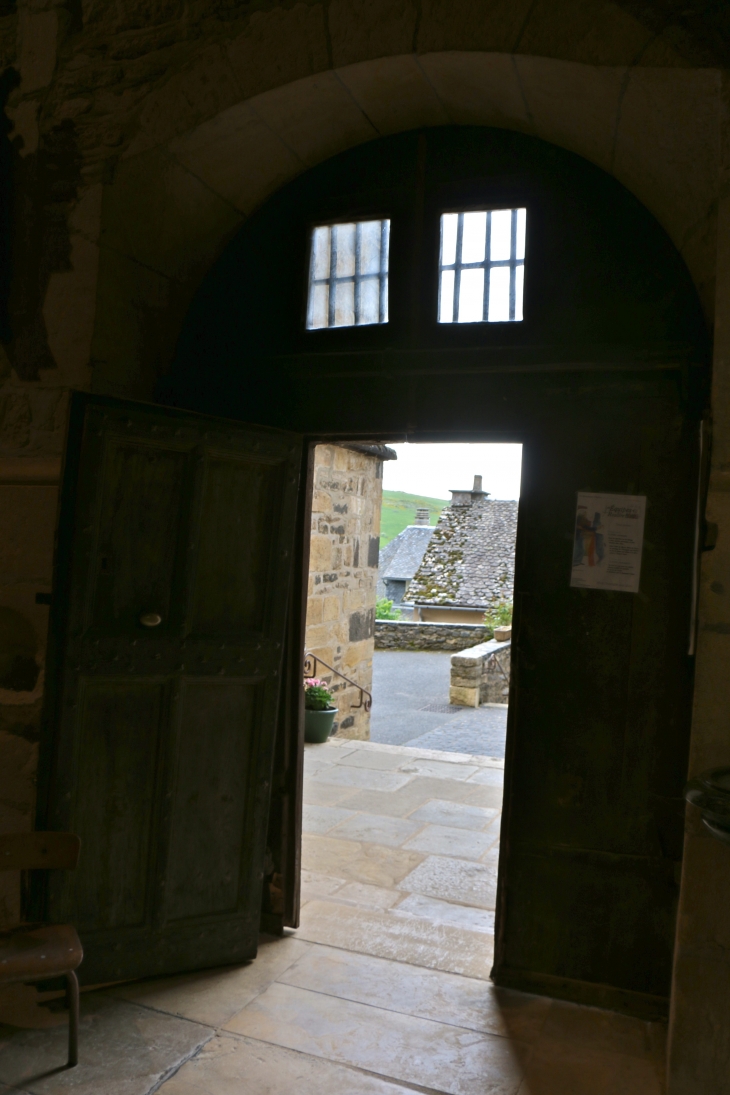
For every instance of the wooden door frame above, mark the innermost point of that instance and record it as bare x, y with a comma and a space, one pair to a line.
289, 773
288, 776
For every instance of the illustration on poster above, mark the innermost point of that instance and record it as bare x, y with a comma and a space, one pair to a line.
608, 542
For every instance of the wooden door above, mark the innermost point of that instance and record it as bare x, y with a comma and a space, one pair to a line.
173, 570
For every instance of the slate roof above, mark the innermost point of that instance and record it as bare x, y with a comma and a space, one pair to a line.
470, 560
402, 557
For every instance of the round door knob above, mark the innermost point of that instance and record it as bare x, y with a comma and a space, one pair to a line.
150, 619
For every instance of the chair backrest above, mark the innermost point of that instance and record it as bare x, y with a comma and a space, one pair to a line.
38, 851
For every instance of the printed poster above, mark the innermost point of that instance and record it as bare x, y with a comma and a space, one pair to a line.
608, 541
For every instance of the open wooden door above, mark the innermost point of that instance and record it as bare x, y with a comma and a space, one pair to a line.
282, 882
169, 618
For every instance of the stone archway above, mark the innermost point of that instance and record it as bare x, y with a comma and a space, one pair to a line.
172, 207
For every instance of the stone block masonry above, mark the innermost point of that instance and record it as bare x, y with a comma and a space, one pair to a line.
480, 674
408, 635
343, 575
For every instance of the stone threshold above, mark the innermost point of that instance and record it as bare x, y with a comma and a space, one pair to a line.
425, 754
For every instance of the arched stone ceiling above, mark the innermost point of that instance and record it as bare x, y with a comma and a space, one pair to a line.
699, 30
173, 207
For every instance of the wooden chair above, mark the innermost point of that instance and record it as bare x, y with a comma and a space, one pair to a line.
39, 952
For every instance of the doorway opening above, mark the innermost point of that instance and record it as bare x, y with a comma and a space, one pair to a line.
442, 662
402, 804
412, 638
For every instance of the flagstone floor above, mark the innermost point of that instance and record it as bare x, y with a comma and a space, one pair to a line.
383, 990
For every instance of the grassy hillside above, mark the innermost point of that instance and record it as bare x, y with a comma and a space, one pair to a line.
399, 510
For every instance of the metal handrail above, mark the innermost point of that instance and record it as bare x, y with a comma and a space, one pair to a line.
494, 657
310, 670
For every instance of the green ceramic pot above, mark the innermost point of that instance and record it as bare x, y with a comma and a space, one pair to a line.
318, 724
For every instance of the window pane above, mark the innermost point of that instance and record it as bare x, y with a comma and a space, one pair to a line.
320, 253
446, 297
345, 244
519, 290
360, 293
521, 225
449, 224
318, 304
490, 255
501, 242
369, 301
471, 296
473, 240
344, 303
370, 247
499, 294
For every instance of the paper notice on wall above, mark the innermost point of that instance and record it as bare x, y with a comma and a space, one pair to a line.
608, 542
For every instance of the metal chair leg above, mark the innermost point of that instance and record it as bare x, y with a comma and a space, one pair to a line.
72, 998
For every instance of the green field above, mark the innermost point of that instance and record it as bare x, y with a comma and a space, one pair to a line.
399, 510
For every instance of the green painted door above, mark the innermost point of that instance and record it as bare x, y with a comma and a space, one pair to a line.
173, 570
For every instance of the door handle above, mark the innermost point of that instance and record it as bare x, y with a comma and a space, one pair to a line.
150, 619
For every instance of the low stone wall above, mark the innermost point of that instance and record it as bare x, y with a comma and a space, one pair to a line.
477, 677
410, 635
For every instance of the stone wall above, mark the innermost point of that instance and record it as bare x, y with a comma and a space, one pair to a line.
343, 575
28, 500
477, 676
407, 635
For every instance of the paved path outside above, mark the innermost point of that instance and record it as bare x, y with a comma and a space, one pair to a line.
411, 707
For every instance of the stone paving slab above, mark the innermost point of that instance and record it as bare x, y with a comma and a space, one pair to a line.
231, 1065
482, 760
445, 877
123, 1050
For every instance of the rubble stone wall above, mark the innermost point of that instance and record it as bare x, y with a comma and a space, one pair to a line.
407, 635
343, 576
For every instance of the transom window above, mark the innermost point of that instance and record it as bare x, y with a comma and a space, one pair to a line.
348, 274
482, 266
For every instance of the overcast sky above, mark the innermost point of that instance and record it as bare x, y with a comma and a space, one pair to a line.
434, 470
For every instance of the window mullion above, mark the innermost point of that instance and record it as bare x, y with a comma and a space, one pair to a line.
512, 265
457, 265
383, 277
487, 267
357, 288
333, 276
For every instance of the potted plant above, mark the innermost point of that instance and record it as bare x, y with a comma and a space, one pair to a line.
319, 712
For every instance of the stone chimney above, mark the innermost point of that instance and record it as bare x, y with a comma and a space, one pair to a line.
466, 497
422, 516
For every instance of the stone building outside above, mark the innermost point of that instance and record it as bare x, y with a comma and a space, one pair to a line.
469, 564
343, 573
401, 558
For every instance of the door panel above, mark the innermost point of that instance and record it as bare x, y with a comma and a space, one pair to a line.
238, 517
210, 799
118, 731
137, 533
159, 733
